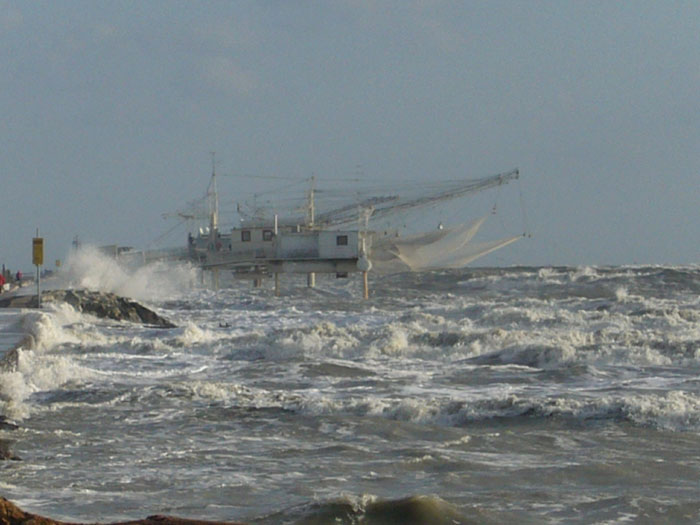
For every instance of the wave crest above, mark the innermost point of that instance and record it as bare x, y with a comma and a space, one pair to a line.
91, 269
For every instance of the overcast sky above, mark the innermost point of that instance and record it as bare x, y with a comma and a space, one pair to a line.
110, 109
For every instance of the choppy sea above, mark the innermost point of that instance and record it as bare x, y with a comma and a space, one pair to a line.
487, 395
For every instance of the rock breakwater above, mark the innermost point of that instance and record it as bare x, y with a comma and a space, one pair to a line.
11, 514
100, 304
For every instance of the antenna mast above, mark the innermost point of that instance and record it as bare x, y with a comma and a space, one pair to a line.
213, 196
311, 210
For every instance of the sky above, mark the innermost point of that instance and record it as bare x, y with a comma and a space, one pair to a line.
110, 110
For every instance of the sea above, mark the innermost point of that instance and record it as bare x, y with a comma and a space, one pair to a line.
484, 395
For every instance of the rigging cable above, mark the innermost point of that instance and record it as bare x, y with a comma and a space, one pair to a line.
526, 226
164, 235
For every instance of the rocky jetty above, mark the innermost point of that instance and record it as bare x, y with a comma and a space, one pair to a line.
5, 452
100, 304
5, 444
11, 514
6, 424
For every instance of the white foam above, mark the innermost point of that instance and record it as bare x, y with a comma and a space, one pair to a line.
89, 268
36, 371
191, 334
584, 272
324, 337
621, 294
394, 341
544, 274
675, 410
48, 326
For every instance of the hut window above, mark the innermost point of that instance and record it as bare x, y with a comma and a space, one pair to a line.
245, 235
267, 235
341, 240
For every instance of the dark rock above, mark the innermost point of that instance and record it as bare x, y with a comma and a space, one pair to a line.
5, 452
100, 304
6, 424
18, 301
11, 514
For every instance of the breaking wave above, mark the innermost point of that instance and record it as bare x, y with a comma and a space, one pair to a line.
32, 368
372, 510
91, 269
675, 411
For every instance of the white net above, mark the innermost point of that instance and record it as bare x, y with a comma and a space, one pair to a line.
440, 249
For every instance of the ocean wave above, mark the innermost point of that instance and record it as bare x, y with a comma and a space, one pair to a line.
677, 411
372, 510
58, 338
35, 371
539, 338
91, 269
33, 367
320, 337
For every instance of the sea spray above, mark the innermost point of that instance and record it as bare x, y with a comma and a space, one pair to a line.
35, 367
90, 268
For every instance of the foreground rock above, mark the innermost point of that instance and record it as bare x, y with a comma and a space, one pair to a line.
6, 424
11, 514
100, 304
5, 452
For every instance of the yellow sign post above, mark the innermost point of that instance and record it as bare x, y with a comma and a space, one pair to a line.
38, 260
37, 251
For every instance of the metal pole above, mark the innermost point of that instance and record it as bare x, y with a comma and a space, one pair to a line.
366, 284
38, 287
38, 278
